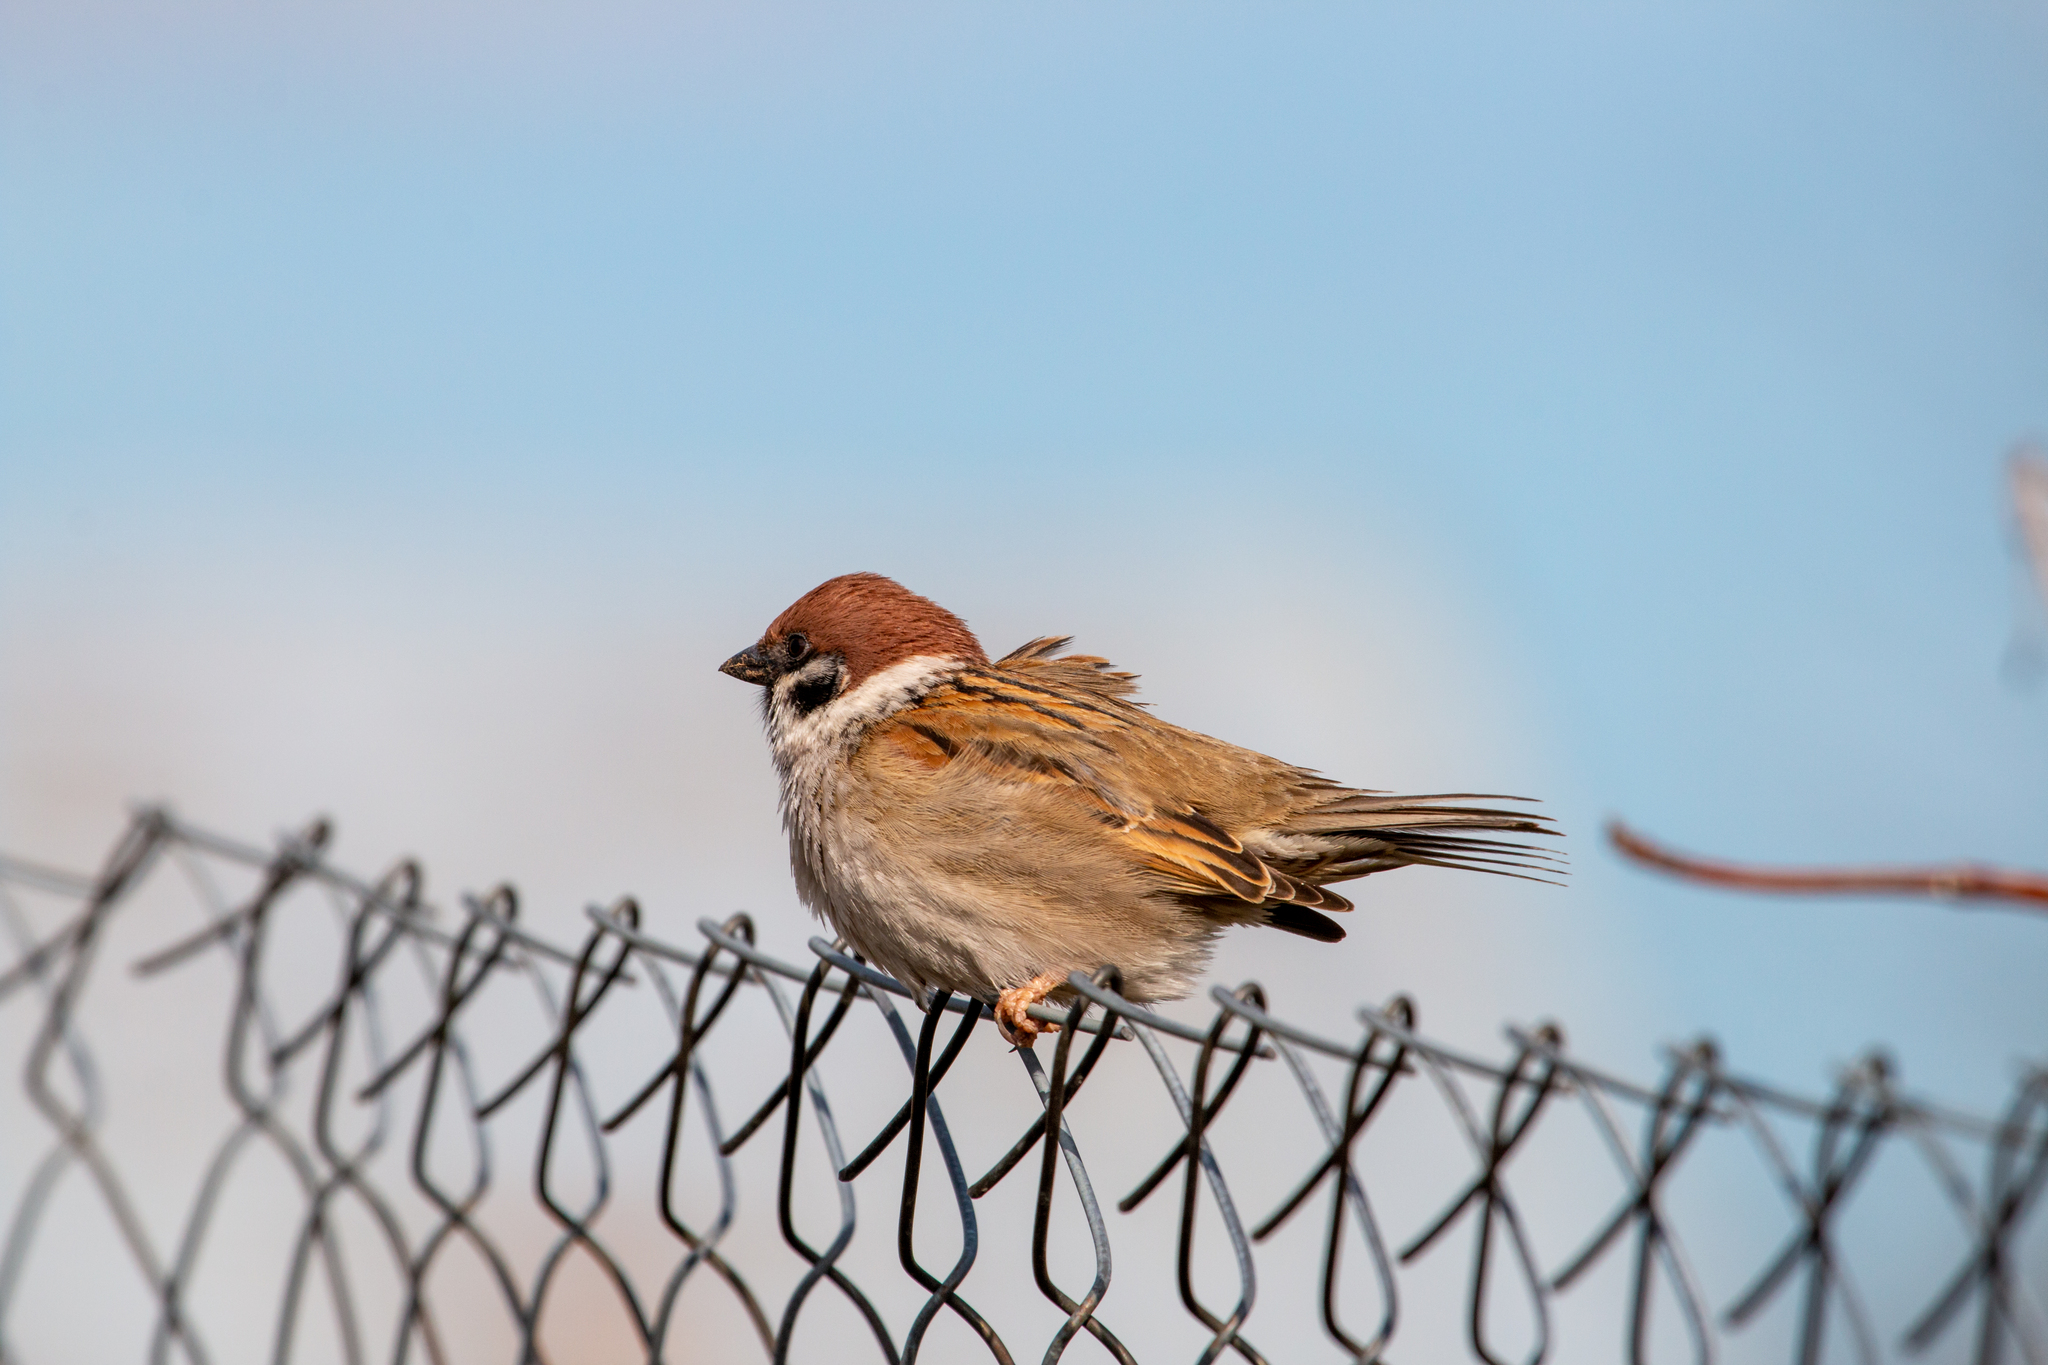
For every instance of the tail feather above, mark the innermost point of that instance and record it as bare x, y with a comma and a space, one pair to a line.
1362, 833
1450, 843
1298, 919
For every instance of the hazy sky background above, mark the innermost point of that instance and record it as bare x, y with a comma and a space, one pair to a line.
403, 408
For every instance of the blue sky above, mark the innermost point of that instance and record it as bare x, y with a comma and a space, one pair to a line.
403, 407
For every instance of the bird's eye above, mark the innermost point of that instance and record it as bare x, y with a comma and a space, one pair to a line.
796, 646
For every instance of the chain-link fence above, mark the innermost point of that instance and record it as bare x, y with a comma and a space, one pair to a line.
434, 1136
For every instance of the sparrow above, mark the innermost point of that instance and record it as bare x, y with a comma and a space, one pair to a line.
988, 827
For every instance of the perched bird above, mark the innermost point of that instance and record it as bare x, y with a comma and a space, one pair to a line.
989, 827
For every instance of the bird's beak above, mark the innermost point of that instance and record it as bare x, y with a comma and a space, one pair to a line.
747, 666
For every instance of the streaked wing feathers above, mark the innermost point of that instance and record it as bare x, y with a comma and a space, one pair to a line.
1087, 673
1067, 725
1185, 845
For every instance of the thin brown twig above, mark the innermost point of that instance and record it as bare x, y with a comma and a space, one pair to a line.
1955, 881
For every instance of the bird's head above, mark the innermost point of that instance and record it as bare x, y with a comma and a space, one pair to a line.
843, 632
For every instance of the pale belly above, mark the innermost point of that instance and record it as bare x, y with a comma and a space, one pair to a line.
936, 932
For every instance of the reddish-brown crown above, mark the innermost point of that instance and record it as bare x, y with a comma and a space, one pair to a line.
874, 622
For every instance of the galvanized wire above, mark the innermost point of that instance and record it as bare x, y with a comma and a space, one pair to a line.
377, 1092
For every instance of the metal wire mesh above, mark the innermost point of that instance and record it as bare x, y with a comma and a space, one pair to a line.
473, 1144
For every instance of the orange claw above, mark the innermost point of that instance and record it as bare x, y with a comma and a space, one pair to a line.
1018, 1028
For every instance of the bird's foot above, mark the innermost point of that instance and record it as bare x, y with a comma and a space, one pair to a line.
1018, 1028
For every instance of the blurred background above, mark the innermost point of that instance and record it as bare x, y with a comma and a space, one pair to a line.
404, 408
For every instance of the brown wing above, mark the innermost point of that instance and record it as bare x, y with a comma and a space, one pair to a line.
1294, 820
1298, 825
1064, 726
1204, 858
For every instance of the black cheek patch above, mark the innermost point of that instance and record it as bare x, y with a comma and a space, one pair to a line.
808, 694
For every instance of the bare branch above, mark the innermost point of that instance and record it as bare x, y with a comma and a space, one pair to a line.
1954, 881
